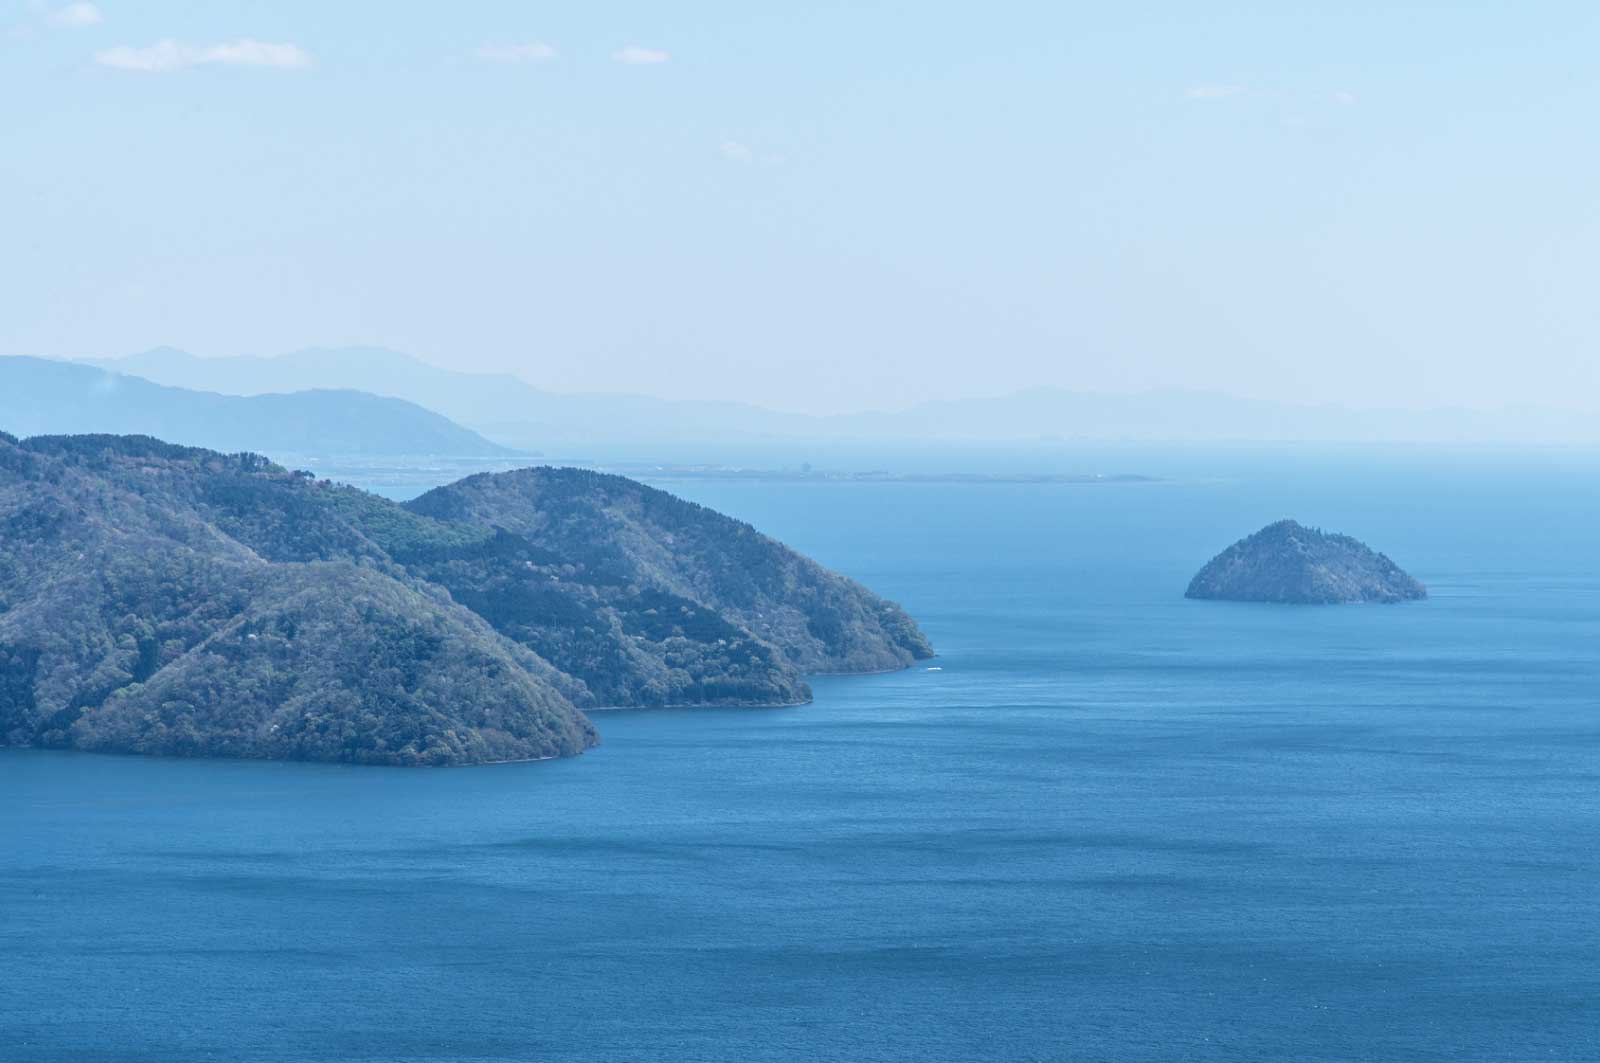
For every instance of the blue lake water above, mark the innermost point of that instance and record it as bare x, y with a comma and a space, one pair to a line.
1117, 825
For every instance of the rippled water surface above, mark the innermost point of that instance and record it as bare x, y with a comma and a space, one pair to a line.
1115, 825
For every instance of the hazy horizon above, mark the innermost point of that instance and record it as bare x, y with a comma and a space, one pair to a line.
517, 413
1489, 407
854, 207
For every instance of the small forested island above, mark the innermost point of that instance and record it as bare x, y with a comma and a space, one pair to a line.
169, 600
1287, 562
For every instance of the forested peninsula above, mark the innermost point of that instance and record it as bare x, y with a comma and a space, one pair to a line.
170, 600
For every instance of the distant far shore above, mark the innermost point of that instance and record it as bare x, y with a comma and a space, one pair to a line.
877, 476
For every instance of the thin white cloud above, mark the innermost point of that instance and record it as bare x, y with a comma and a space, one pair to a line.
166, 56
76, 16
742, 154
1213, 92
1346, 98
634, 55
535, 52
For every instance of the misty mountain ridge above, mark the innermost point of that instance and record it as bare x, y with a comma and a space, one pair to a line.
503, 406
508, 409
44, 397
511, 411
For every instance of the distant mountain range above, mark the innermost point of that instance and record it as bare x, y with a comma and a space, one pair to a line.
503, 407
518, 414
42, 397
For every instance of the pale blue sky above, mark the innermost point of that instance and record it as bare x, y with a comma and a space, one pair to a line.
822, 206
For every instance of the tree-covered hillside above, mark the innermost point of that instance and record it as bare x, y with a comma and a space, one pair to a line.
173, 600
624, 532
1289, 563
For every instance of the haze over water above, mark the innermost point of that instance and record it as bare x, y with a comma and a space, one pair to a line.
1114, 825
